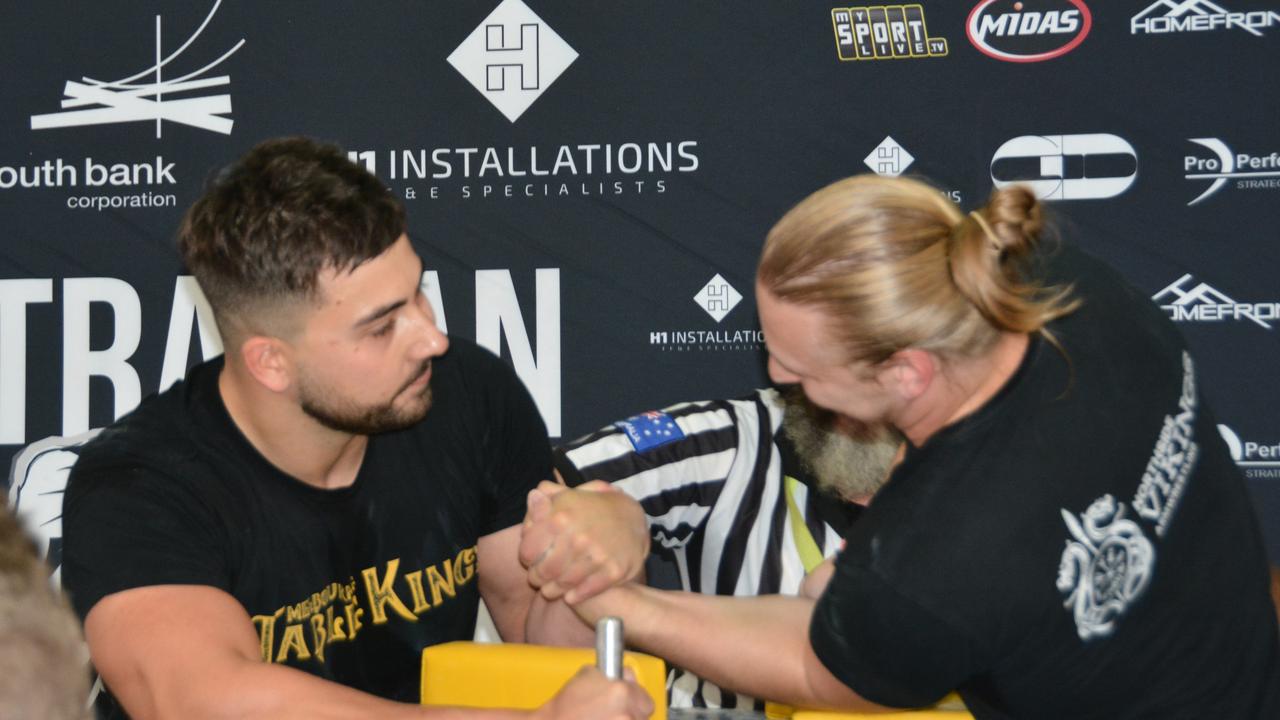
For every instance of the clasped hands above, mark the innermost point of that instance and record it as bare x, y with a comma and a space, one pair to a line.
579, 542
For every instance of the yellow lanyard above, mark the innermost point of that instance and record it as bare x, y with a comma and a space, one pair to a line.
810, 553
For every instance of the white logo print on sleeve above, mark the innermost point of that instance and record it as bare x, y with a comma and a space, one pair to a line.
1106, 567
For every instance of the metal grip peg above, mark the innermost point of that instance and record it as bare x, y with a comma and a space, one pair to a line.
609, 646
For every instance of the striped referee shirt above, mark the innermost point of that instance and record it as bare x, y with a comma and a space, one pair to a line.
710, 477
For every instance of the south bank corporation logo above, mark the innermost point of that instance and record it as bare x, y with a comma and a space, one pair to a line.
512, 57
1170, 16
154, 94
884, 32
1028, 30
1067, 167
1220, 166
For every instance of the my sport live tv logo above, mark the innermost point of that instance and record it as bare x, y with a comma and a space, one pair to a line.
1259, 459
1089, 166
884, 32
512, 57
1213, 161
1179, 16
1028, 31
152, 94
1186, 300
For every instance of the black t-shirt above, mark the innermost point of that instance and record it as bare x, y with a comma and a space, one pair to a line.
1082, 546
347, 584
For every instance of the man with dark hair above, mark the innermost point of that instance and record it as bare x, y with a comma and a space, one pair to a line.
294, 522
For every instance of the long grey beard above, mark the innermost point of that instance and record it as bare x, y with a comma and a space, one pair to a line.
847, 458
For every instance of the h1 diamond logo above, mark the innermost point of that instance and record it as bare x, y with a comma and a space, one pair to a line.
717, 297
512, 58
889, 158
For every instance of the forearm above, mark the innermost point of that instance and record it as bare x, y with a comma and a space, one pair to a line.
553, 622
756, 645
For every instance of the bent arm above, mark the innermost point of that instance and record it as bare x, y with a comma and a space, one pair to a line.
191, 651
756, 645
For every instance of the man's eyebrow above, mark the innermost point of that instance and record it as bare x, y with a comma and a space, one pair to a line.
380, 313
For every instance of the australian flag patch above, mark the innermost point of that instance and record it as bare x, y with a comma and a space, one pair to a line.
650, 430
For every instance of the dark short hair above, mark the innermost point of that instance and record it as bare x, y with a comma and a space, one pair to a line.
268, 224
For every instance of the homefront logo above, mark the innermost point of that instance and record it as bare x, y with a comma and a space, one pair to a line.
1067, 167
512, 58
147, 96
1223, 165
1198, 16
1204, 303
889, 158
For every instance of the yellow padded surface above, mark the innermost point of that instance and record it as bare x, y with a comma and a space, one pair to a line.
515, 675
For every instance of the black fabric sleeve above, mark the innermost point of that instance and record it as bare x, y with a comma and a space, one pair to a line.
884, 645
130, 526
572, 476
517, 450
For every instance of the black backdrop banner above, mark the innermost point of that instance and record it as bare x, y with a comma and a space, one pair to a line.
589, 183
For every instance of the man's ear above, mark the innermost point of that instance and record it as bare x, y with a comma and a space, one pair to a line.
909, 372
269, 361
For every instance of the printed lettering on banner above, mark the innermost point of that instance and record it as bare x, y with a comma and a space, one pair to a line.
1258, 459
1026, 31
891, 159
512, 57
1177, 16
1221, 166
717, 298
1067, 167
1187, 301
884, 32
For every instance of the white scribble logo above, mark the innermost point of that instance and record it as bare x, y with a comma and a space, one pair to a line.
1105, 568
512, 58
148, 96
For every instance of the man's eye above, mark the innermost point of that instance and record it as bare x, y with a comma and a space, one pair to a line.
382, 330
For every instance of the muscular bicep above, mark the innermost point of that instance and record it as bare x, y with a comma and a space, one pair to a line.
163, 650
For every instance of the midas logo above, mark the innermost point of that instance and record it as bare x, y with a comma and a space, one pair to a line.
1030, 31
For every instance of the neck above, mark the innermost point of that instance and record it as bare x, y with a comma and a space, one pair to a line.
962, 388
286, 436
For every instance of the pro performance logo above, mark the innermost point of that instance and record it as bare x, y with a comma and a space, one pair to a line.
512, 58
1201, 302
1067, 167
1170, 16
884, 32
1258, 459
717, 298
1030, 30
1222, 165
147, 96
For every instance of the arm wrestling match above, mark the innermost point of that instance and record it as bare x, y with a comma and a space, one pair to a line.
987, 468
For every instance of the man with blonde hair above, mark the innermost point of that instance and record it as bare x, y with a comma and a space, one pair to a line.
1067, 535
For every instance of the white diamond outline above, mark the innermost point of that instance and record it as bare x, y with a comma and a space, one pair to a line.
554, 57
888, 142
718, 314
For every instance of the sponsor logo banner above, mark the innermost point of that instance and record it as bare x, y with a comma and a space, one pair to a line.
1028, 31
150, 95
1259, 459
1188, 301
512, 57
1175, 16
1220, 165
717, 299
1067, 167
884, 32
